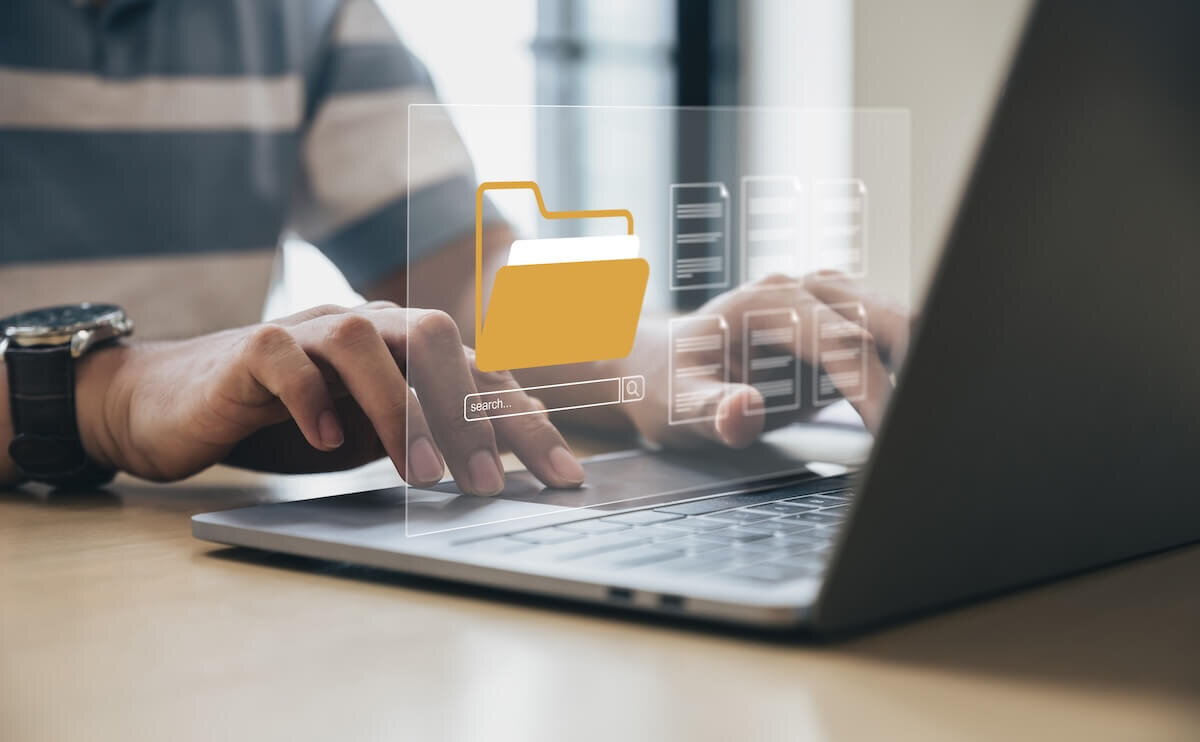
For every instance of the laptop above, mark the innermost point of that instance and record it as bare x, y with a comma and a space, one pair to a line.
1045, 423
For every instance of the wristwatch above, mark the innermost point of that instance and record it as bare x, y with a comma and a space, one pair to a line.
40, 349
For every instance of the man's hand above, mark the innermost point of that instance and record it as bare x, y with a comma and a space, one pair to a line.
319, 390
732, 412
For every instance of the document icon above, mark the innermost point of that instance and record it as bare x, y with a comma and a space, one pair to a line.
770, 349
698, 352
548, 313
774, 226
840, 227
699, 236
841, 353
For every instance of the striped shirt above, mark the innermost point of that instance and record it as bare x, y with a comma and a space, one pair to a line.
153, 152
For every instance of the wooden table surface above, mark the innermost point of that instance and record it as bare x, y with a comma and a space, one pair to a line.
115, 624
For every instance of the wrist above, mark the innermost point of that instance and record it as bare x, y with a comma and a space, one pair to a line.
10, 475
99, 411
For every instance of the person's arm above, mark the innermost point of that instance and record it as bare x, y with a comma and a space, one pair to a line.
317, 391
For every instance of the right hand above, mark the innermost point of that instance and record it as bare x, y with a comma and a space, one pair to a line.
732, 414
317, 391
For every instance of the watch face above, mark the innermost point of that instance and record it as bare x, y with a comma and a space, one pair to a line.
59, 318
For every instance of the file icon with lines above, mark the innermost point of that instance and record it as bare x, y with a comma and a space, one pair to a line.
699, 236
698, 352
770, 349
840, 226
841, 353
774, 226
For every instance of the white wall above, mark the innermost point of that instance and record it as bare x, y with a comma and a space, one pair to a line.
944, 60
794, 53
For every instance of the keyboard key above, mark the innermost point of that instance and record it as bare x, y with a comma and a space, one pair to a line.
738, 516
763, 528
769, 540
696, 546
728, 502
821, 501
590, 546
732, 535
779, 527
640, 556
549, 535
784, 507
701, 556
804, 537
796, 527
693, 525
733, 557
593, 525
660, 532
800, 548
803, 563
770, 543
817, 516
641, 517
692, 564
587, 547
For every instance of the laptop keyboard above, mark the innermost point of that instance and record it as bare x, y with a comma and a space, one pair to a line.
761, 538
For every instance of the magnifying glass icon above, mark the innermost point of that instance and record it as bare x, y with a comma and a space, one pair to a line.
633, 388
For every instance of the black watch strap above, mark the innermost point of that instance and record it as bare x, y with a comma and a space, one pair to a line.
46, 445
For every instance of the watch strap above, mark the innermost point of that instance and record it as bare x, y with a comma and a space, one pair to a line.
46, 444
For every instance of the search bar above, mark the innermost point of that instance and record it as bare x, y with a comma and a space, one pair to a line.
573, 395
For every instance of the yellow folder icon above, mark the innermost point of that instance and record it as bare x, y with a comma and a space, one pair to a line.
550, 313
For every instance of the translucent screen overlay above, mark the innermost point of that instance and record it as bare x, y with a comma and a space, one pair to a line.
681, 279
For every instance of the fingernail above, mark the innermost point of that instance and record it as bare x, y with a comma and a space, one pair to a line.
425, 464
566, 466
724, 418
485, 474
330, 429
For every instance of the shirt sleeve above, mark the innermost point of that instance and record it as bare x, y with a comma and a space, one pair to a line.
356, 184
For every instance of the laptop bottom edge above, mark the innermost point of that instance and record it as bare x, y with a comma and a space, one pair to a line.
677, 604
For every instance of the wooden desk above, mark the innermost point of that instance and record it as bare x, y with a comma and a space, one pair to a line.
115, 624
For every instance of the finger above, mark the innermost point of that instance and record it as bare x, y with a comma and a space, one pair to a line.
529, 433
724, 413
424, 465
352, 346
377, 305
278, 363
321, 310
889, 323
846, 352
438, 368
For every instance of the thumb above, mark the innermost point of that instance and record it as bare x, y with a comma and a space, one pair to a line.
728, 414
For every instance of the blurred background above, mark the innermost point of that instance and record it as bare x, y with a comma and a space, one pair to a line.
941, 60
